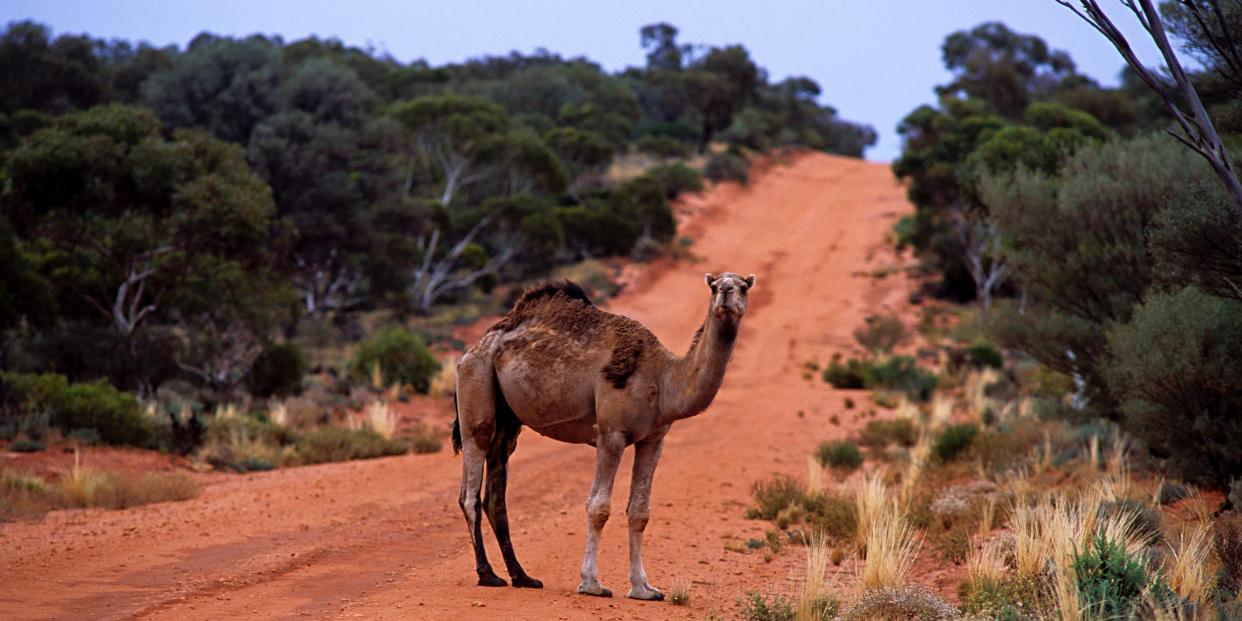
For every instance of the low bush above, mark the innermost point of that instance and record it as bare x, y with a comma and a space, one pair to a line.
756, 607
278, 371
953, 440
24, 495
1227, 543
839, 454
727, 167
774, 496
401, 356
881, 433
662, 146
1111, 582
982, 355
333, 444
849, 375
830, 515
900, 602
26, 445
902, 373
881, 334
676, 179
1177, 370
95, 405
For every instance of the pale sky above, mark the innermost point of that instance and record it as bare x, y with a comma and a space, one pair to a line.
875, 59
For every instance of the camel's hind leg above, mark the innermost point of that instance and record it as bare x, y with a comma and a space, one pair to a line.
504, 441
476, 420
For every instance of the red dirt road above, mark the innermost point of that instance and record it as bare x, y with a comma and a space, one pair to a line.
384, 539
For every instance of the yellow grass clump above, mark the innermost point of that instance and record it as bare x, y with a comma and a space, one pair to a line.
815, 601
871, 504
80, 486
987, 565
892, 547
1190, 574
380, 418
445, 381
278, 412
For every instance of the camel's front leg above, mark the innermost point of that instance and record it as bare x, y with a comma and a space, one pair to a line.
646, 456
608, 447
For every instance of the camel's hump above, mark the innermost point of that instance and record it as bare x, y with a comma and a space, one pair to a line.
525, 304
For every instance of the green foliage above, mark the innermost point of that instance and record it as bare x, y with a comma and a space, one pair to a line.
847, 375
95, 405
839, 454
676, 179
401, 356
26, 445
953, 440
773, 496
278, 371
881, 334
901, 373
880, 433
727, 166
665, 147
1079, 242
333, 444
1177, 371
982, 355
1111, 583
756, 607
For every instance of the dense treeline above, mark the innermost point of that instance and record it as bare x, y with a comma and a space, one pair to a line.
1114, 249
170, 213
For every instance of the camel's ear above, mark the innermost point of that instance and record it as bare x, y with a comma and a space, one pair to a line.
750, 281
709, 279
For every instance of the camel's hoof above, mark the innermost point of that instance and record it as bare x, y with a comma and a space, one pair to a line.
523, 581
594, 590
491, 580
647, 593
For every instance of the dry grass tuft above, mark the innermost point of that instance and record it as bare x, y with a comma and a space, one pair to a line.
80, 486
679, 594
814, 476
987, 565
380, 418
1189, 573
871, 504
278, 412
445, 381
815, 602
227, 411
892, 547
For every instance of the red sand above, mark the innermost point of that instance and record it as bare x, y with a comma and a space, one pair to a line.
385, 539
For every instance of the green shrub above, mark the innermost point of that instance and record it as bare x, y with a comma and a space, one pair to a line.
333, 444
662, 146
1177, 370
243, 428
774, 496
727, 167
953, 441
901, 373
402, 358
881, 334
1111, 583
839, 454
849, 375
982, 355
831, 515
26, 445
87, 436
756, 607
676, 179
881, 433
277, 371
95, 405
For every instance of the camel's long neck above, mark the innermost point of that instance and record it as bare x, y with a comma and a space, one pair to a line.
690, 383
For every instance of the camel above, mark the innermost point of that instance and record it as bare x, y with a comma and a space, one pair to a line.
572, 372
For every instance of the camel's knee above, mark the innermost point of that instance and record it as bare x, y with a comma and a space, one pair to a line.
469, 505
598, 512
638, 518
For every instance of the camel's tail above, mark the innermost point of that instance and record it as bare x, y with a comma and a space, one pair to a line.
456, 427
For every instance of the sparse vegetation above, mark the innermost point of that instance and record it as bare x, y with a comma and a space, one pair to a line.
756, 607
24, 495
954, 440
399, 356
841, 454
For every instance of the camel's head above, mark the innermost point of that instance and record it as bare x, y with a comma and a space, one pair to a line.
729, 294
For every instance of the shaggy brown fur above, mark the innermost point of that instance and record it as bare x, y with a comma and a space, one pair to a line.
565, 307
